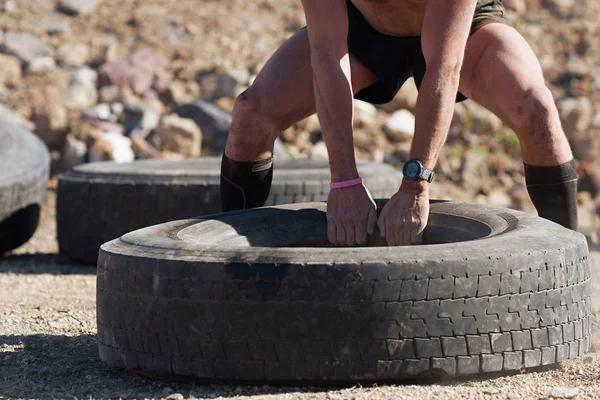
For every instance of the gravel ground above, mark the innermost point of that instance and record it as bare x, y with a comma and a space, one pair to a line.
48, 347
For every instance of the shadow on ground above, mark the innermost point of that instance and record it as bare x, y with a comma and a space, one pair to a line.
44, 264
46, 366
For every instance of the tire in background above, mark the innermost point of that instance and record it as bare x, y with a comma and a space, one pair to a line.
259, 296
24, 170
99, 202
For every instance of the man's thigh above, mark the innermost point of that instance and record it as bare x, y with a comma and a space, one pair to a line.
285, 84
498, 68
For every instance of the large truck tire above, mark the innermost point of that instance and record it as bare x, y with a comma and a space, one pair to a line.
259, 296
24, 169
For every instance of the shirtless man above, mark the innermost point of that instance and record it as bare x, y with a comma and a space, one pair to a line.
366, 49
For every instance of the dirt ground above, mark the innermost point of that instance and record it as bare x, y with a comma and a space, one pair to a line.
48, 346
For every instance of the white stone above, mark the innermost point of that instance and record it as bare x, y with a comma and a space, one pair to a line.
400, 125
41, 66
120, 148
564, 392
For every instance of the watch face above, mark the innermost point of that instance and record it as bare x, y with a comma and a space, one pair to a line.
411, 170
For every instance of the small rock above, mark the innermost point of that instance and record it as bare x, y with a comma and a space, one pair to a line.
140, 117
217, 83
41, 66
491, 390
25, 46
319, 151
213, 122
578, 68
8, 6
175, 396
50, 118
143, 150
564, 392
180, 92
499, 198
179, 135
57, 27
109, 94
10, 70
77, 7
520, 6
576, 115
136, 71
74, 152
101, 112
475, 171
400, 126
112, 147
73, 54
82, 89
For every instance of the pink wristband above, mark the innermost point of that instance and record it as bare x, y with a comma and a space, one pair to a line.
351, 182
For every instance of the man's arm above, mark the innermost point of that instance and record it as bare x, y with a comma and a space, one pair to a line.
327, 24
444, 36
351, 213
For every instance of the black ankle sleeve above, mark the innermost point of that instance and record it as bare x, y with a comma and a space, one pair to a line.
553, 191
245, 184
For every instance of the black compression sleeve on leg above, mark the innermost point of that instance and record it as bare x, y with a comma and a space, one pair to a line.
553, 191
245, 184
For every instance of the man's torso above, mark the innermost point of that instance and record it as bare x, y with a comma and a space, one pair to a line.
394, 17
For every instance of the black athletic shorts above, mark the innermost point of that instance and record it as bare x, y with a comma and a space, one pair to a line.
394, 59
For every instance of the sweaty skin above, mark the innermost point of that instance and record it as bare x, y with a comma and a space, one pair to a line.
444, 29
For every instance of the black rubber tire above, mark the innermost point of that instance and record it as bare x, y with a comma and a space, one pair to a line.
251, 297
99, 202
24, 169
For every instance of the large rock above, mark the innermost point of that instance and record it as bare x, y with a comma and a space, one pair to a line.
24, 46
136, 71
179, 135
77, 7
213, 122
10, 70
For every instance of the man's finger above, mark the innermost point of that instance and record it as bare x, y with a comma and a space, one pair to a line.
350, 238
390, 235
340, 233
371, 221
416, 236
331, 231
360, 231
381, 225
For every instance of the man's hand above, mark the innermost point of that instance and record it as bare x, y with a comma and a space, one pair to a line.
405, 216
351, 215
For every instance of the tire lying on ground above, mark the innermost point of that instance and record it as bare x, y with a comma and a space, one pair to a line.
24, 169
258, 296
99, 202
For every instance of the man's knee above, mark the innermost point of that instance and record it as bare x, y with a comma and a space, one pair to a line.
534, 111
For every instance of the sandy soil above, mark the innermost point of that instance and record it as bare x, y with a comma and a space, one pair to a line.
48, 346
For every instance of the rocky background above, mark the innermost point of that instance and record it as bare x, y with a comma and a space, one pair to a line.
130, 79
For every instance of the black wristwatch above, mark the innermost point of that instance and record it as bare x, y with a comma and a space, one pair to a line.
413, 170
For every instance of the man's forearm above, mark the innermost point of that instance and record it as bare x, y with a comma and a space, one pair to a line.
434, 110
334, 103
